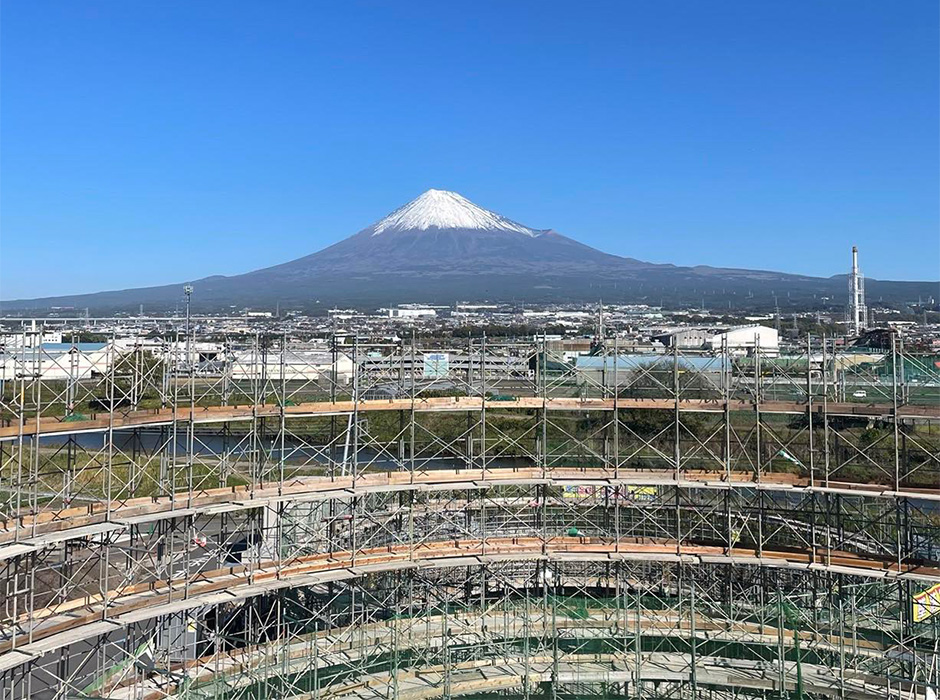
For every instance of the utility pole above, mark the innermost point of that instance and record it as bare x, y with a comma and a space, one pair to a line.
188, 291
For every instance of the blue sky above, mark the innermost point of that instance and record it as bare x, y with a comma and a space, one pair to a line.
155, 142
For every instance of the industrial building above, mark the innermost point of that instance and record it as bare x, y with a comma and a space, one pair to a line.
315, 365
738, 339
408, 311
54, 361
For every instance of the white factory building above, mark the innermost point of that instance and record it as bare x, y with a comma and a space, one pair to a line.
306, 365
55, 361
411, 312
740, 340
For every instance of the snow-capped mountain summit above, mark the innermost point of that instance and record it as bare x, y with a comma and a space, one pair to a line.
442, 233
441, 209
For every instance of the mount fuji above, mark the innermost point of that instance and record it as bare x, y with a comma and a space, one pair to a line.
442, 234
441, 247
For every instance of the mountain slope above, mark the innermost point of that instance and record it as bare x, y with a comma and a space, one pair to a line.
442, 233
441, 247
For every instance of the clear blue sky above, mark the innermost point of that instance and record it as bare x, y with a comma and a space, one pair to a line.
154, 142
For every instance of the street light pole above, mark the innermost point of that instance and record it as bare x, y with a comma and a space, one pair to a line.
188, 291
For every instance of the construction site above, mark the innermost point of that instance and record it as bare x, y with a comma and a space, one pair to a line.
427, 518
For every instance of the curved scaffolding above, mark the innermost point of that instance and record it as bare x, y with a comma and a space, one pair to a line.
404, 520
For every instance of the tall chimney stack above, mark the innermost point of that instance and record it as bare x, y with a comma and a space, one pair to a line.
858, 313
